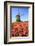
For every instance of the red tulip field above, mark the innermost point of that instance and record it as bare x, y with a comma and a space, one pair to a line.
19, 29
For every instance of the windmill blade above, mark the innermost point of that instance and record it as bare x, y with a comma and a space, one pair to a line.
21, 14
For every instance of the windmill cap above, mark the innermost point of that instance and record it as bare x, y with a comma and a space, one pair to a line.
17, 15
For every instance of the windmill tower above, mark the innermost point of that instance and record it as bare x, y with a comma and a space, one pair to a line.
18, 16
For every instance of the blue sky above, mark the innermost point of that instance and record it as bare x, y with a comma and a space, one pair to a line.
22, 11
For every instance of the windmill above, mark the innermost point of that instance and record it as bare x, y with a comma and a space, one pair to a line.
18, 16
